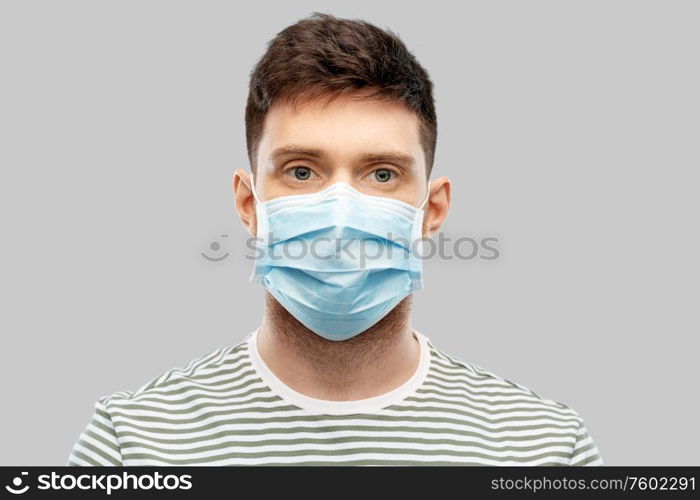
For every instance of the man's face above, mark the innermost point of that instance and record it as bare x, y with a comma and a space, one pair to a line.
372, 145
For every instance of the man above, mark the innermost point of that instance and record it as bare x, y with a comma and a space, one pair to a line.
341, 133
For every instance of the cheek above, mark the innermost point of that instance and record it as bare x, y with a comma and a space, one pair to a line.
406, 188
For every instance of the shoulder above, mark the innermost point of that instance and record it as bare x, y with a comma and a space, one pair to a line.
175, 392
202, 371
494, 404
448, 374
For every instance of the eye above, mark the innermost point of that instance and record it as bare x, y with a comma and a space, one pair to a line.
301, 173
383, 174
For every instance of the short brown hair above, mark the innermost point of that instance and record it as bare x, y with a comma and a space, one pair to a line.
324, 55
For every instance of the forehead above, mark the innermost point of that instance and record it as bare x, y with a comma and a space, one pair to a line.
342, 126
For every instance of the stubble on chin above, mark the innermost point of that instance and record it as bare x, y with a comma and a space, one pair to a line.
328, 355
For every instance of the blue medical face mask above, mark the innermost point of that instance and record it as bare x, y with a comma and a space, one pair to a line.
338, 260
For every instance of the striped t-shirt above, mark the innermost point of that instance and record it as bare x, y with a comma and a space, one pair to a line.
228, 408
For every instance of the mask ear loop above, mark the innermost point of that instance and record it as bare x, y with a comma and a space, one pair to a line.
417, 235
252, 188
427, 195
260, 214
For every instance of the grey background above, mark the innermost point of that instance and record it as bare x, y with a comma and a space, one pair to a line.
570, 132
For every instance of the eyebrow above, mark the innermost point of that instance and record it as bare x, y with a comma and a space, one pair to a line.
373, 156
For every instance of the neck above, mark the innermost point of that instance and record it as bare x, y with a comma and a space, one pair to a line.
369, 364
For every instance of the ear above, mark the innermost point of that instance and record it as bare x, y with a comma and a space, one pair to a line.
437, 207
245, 201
